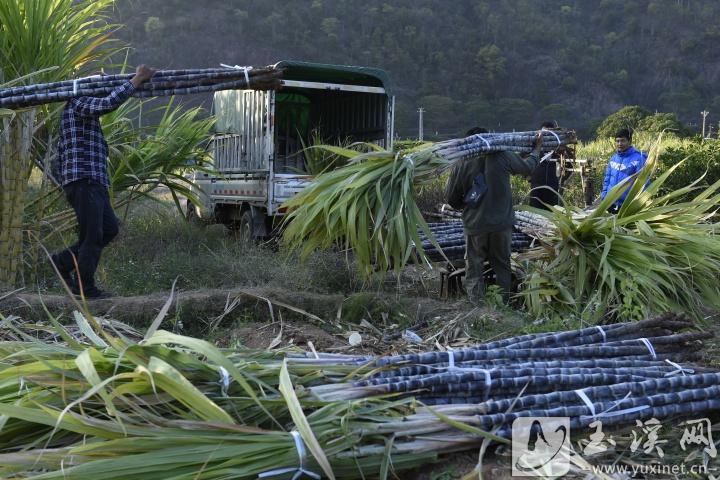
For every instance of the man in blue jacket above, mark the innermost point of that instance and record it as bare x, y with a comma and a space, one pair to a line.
626, 162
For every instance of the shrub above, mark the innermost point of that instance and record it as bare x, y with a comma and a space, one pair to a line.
663, 122
627, 117
701, 158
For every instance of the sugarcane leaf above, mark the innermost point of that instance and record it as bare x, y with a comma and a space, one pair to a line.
87, 330
347, 153
161, 314
301, 423
214, 355
173, 382
386, 460
86, 364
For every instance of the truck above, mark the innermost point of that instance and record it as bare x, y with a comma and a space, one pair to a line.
258, 146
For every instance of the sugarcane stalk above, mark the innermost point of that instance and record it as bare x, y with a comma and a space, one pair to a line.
163, 85
579, 352
641, 389
612, 363
161, 76
15, 166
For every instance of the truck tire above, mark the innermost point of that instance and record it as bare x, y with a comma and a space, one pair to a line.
246, 229
191, 215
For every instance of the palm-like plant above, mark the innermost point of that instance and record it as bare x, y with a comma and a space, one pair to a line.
659, 253
161, 154
57, 39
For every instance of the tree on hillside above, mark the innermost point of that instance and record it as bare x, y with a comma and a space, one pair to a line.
664, 122
627, 117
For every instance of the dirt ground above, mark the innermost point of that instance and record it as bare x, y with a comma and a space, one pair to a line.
263, 335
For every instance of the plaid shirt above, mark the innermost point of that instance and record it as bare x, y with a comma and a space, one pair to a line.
82, 149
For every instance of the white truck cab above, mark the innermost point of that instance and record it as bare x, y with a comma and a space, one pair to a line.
257, 148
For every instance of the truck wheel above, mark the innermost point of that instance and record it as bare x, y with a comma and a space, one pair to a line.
246, 230
191, 215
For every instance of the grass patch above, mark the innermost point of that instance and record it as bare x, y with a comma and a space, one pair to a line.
381, 312
156, 245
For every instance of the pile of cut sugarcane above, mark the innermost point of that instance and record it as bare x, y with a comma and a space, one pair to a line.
450, 240
163, 83
369, 205
104, 406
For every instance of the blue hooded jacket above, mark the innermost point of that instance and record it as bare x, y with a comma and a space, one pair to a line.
621, 166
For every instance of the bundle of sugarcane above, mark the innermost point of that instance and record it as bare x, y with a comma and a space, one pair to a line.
163, 83
450, 224
369, 205
176, 407
178, 433
171, 406
658, 253
451, 238
521, 142
446, 210
615, 405
591, 356
533, 224
452, 247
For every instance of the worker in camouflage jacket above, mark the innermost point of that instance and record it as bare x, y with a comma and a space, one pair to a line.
488, 225
627, 161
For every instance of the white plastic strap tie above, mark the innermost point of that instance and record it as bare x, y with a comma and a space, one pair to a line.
614, 406
300, 470
609, 412
680, 369
484, 140
545, 157
555, 134
409, 160
603, 333
238, 67
224, 381
649, 347
583, 396
623, 412
23, 386
451, 367
488, 382
451, 359
75, 82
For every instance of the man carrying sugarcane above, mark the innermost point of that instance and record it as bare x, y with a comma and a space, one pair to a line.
626, 162
488, 223
82, 157
544, 182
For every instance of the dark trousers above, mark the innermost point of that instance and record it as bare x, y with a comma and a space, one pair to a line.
542, 177
97, 226
495, 248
